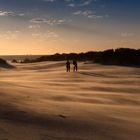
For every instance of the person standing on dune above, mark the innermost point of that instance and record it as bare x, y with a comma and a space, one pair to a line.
75, 66
68, 66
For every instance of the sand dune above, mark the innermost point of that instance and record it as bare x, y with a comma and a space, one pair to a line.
40, 101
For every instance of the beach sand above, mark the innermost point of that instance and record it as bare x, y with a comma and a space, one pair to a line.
40, 101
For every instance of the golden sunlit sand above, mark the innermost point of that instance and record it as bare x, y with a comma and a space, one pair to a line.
40, 101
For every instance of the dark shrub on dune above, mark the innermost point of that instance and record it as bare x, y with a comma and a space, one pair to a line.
2, 61
105, 57
127, 56
121, 56
26, 61
4, 64
14, 61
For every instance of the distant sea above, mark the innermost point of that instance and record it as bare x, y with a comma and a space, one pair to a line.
19, 57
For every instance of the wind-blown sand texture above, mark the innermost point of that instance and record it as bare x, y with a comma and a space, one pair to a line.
41, 101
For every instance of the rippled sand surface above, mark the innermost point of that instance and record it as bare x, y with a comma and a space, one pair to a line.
41, 101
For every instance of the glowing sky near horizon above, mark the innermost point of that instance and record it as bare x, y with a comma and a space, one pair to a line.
51, 26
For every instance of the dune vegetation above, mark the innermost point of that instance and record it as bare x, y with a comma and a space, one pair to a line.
121, 56
4, 64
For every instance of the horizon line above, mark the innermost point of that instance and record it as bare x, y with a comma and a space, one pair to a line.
68, 52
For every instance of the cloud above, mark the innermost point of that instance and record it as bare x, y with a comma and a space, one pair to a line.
68, 0
50, 22
87, 2
49, 0
126, 34
81, 4
21, 14
10, 13
34, 27
49, 36
88, 13
83, 13
94, 16
71, 5
38, 20
55, 21
9, 35
77, 12
7, 13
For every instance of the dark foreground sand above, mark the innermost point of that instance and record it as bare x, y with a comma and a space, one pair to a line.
42, 102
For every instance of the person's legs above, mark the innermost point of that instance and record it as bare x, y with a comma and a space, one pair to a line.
69, 69
76, 68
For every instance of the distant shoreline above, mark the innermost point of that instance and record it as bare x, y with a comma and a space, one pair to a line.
18, 57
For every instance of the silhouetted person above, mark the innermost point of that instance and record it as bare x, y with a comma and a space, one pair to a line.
75, 66
68, 66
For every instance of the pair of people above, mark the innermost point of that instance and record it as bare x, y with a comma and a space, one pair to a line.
75, 66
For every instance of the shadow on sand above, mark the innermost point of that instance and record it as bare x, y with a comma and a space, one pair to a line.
7, 66
97, 75
58, 122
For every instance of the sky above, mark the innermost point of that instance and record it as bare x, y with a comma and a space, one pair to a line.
64, 26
